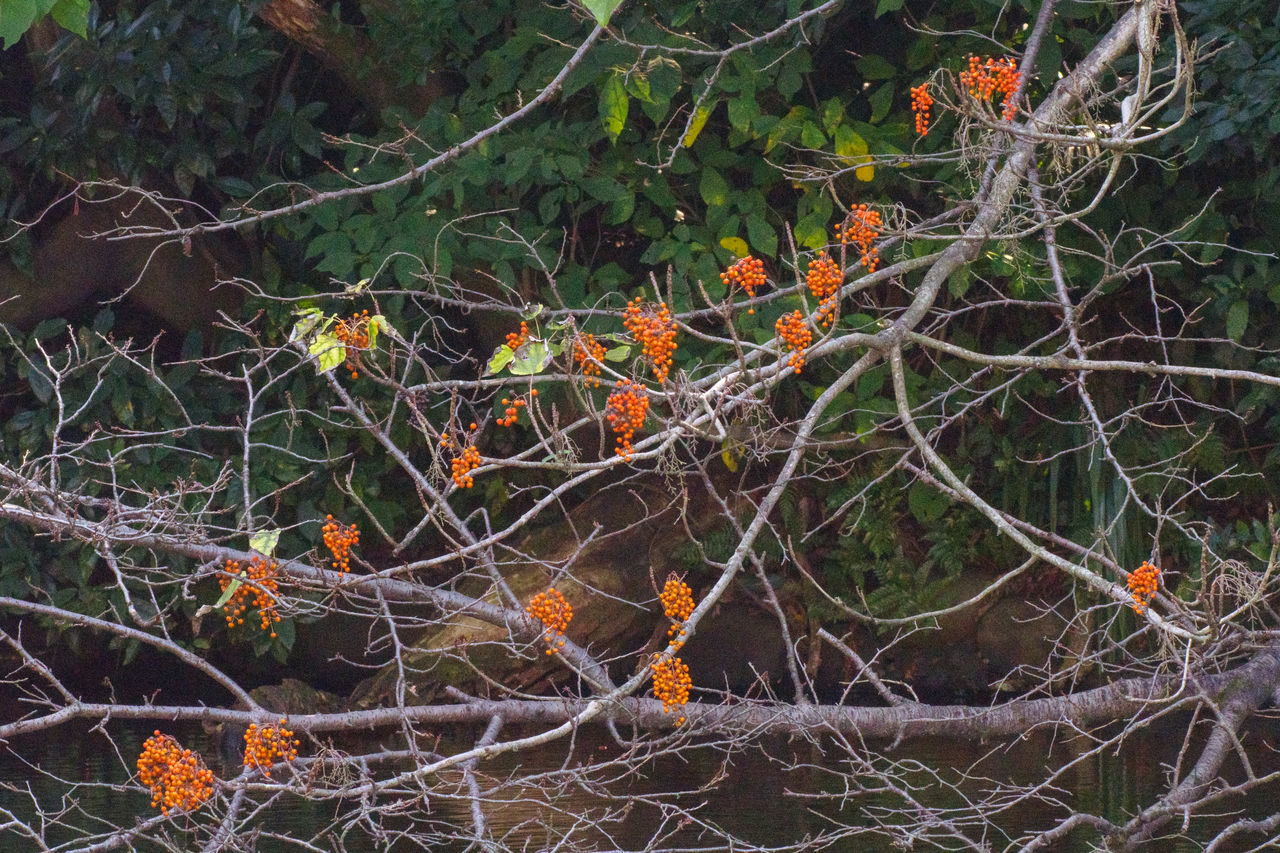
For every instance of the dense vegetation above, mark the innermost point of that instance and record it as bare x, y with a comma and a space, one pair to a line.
535, 175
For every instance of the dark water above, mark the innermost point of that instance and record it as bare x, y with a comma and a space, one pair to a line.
743, 792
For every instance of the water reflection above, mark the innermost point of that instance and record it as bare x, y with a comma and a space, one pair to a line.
689, 798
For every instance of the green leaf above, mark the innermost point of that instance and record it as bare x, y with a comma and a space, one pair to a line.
926, 503
699, 121
614, 104
881, 102
852, 149
811, 136
601, 10
265, 541
762, 235
531, 358
875, 67
328, 350
888, 6
736, 245
713, 188
618, 353
501, 358
72, 15
1237, 319
309, 320
16, 17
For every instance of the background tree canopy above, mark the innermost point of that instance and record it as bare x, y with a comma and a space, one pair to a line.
410, 265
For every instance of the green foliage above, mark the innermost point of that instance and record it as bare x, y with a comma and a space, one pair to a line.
18, 16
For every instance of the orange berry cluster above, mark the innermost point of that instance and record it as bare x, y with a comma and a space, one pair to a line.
748, 273
795, 333
463, 464
1142, 585
671, 683
177, 777
263, 747
515, 340
512, 412
824, 280
259, 581
588, 353
625, 413
354, 335
921, 101
555, 613
995, 76
861, 227
655, 329
677, 603
339, 538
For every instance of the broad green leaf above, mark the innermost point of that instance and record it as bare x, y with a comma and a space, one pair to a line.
614, 104
531, 358
637, 83
265, 541
811, 136
875, 67
71, 15
713, 188
618, 353
1237, 319
888, 6
532, 310
328, 350
736, 245
699, 121
601, 10
501, 358
16, 17
762, 235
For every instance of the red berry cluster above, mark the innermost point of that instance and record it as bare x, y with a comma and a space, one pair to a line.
861, 228
748, 273
354, 335
995, 76
655, 329
625, 413
177, 777
555, 613
515, 340
921, 101
1142, 585
677, 604
512, 412
259, 581
824, 280
339, 538
794, 332
588, 353
671, 683
263, 747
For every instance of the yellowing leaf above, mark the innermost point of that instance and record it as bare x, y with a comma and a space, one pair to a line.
265, 541
699, 121
852, 150
614, 103
328, 350
501, 358
736, 245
